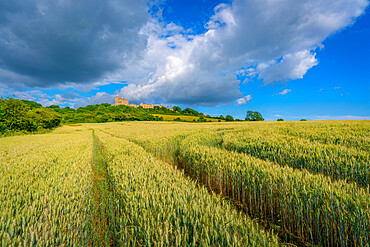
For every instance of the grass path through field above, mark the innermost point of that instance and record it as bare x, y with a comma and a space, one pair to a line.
102, 211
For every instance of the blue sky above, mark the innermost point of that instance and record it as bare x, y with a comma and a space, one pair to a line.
285, 59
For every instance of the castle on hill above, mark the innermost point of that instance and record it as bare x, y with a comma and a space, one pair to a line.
123, 101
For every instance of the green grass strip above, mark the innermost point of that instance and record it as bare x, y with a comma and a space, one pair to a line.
103, 209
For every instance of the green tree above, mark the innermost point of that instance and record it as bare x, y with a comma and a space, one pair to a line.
191, 112
202, 119
44, 118
229, 118
254, 116
102, 118
14, 115
280, 119
31, 104
303, 119
2, 114
177, 109
18, 115
54, 107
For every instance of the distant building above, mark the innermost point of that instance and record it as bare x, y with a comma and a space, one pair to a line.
147, 106
120, 101
123, 101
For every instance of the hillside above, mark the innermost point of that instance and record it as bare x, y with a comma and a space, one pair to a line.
186, 118
28, 116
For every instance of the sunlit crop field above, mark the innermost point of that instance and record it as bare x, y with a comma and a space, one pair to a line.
184, 118
44, 187
188, 184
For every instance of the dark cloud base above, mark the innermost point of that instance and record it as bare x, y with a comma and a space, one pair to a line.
53, 42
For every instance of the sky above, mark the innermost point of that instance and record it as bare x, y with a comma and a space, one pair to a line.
284, 58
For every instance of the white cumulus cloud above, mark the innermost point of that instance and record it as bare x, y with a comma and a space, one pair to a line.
285, 91
274, 41
291, 67
245, 100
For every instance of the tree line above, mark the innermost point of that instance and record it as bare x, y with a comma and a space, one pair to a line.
23, 115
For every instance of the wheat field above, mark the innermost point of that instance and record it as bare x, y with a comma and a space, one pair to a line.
188, 184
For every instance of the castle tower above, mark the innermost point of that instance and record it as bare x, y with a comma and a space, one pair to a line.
120, 101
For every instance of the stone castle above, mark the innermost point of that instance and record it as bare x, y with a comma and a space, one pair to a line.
123, 101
